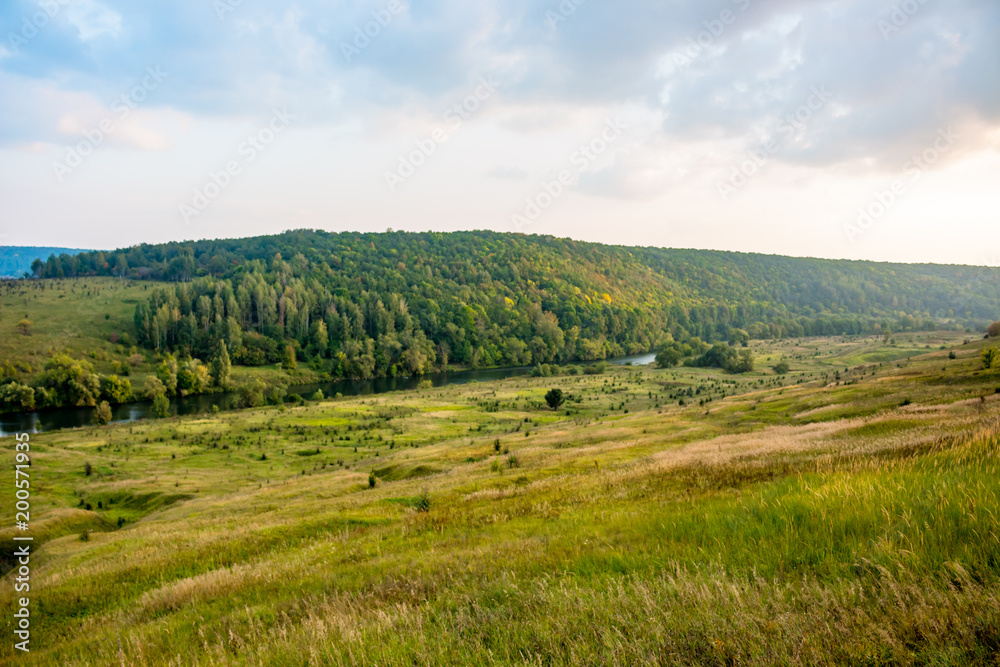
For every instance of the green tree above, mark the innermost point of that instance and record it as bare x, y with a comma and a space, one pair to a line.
739, 337
71, 382
161, 406
252, 394
221, 366
555, 398
153, 388
782, 367
288, 359
669, 356
166, 372
24, 326
320, 338
102, 414
990, 357
742, 363
116, 389
16, 397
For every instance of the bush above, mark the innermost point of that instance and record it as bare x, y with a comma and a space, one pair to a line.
88, 469
782, 367
990, 357
102, 414
423, 503
555, 398
994, 329
161, 406
372, 480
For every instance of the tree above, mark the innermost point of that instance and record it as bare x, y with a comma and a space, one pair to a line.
166, 372
782, 367
71, 382
102, 414
161, 406
153, 388
24, 326
994, 329
739, 337
116, 389
16, 397
221, 366
555, 398
669, 356
288, 359
252, 394
743, 363
990, 357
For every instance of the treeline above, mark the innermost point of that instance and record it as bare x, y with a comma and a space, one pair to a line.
363, 305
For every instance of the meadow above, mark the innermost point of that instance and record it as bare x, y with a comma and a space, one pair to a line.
92, 319
843, 513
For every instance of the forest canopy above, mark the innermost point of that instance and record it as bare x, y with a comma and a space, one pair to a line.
364, 305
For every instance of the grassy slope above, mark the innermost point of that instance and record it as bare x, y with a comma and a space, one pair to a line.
78, 317
814, 523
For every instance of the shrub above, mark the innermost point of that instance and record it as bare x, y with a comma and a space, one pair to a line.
102, 414
161, 406
555, 398
372, 480
423, 503
88, 469
994, 329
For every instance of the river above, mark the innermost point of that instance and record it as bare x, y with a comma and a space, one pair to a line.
54, 420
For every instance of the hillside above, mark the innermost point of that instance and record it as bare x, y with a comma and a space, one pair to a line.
844, 513
359, 305
15, 261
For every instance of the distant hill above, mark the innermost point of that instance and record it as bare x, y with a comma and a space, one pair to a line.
15, 261
362, 305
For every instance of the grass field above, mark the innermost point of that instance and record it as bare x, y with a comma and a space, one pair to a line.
846, 513
91, 318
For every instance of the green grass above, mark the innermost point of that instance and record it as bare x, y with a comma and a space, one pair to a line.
800, 521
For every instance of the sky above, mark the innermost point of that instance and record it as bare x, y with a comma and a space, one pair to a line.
859, 129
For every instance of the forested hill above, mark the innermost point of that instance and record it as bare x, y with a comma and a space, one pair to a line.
362, 304
15, 261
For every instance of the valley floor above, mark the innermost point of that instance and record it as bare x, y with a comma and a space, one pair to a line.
846, 513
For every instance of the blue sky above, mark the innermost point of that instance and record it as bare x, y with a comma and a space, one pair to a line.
850, 129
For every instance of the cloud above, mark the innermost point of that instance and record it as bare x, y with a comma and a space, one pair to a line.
93, 20
506, 173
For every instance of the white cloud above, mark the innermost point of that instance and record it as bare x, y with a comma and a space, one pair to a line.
92, 19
